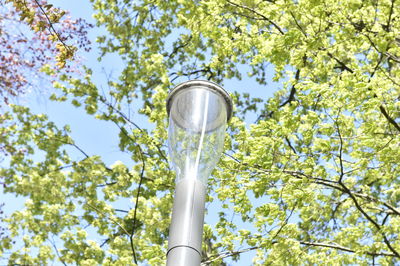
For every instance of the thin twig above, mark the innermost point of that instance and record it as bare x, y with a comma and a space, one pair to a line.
51, 27
258, 14
336, 246
105, 102
137, 202
342, 173
226, 254
56, 250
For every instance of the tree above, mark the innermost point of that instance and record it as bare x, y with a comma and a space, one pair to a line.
315, 180
33, 34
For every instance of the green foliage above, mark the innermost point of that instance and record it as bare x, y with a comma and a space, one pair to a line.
315, 180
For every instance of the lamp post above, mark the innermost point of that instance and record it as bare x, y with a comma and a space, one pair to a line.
198, 113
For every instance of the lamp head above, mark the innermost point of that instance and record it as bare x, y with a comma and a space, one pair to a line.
198, 112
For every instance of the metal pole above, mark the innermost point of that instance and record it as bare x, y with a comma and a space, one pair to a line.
197, 110
186, 230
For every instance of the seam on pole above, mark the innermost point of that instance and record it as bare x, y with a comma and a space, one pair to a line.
182, 246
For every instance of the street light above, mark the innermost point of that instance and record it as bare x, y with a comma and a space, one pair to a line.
198, 113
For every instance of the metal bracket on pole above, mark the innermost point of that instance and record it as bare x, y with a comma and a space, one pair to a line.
186, 231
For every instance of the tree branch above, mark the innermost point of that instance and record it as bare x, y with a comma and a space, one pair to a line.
342, 173
51, 27
389, 118
354, 199
258, 14
297, 24
56, 250
137, 203
343, 65
292, 90
319, 181
290, 98
305, 243
203, 71
226, 254
387, 27
128, 120
336, 246
183, 45
381, 108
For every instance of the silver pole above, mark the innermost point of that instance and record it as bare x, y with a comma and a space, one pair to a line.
197, 110
186, 230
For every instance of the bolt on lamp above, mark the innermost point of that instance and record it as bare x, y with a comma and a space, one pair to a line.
198, 113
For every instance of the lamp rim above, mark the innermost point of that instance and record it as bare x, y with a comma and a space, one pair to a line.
207, 85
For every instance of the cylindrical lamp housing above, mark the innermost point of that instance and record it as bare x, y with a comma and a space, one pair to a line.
198, 113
